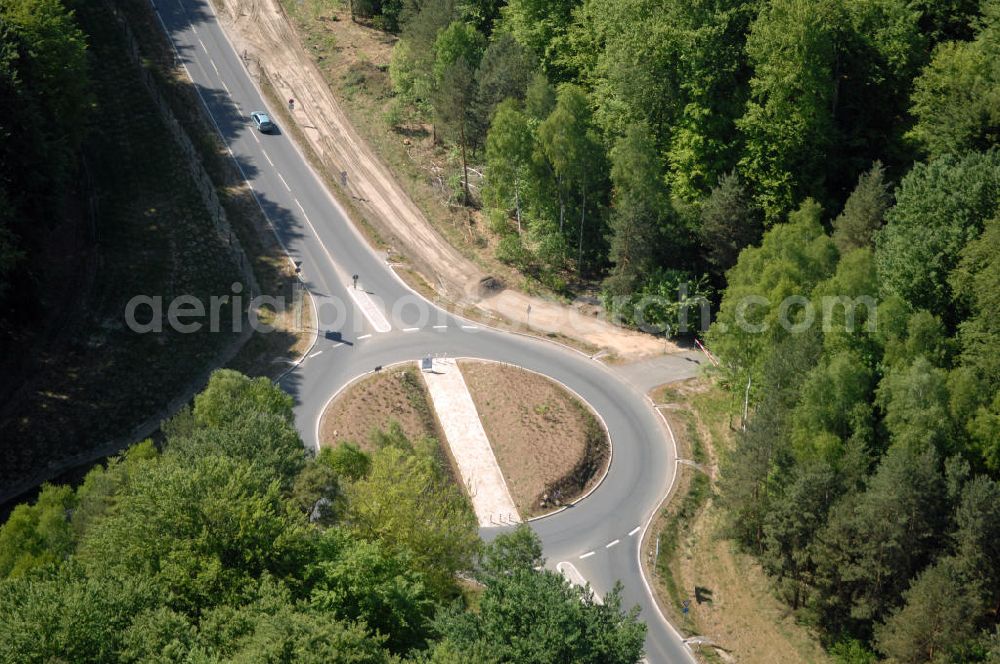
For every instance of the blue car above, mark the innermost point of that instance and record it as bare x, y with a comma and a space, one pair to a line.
262, 121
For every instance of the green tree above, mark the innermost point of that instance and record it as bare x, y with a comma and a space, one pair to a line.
347, 460
405, 503
540, 25
201, 530
639, 206
39, 534
877, 540
230, 396
504, 72
940, 612
359, 581
956, 97
531, 616
570, 148
788, 126
976, 283
454, 108
729, 223
509, 172
940, 207
864, 212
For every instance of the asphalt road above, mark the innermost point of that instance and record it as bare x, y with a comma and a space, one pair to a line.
385, 322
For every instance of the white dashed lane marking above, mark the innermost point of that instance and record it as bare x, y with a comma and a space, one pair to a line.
364, 336
264, 152
283, 182
587, 555
634, 531
611, 544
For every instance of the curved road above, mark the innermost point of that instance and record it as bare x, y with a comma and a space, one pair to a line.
384, 322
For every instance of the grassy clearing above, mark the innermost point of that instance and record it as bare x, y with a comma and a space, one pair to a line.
548, 444
731, 602
153, 237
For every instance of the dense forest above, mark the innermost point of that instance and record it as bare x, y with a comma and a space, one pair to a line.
823, 150
233, 544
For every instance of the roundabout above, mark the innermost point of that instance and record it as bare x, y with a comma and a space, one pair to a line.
376, 321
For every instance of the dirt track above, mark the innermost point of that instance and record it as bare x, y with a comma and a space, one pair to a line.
261, 30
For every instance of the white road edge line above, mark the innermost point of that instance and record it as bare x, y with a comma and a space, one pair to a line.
283, 181
587, 555
634, 531
611, 544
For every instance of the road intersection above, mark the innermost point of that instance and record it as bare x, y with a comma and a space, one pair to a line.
382, 322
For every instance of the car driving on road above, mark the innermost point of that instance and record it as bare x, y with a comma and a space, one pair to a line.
262, 121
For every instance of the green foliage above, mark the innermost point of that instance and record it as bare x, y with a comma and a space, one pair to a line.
405, 503
347, 460
729, 223
940, 207
640, 205
864, 212
940, 612
957, 96
536, 616
37, 535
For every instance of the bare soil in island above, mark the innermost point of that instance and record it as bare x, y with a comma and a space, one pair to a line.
731, 603
396, 394
548, 444
398, 179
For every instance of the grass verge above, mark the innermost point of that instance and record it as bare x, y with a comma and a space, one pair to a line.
730, 600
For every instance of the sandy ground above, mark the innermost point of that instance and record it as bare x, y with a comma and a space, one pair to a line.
372, 403
739, 612
469, 445
537, 429
261, 30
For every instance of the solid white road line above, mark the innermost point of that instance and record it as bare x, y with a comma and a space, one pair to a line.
370, 310
283, 182
611, 544
572, 574
634, 531
587, 555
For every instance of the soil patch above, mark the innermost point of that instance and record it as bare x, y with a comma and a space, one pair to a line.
548, 444
369, 405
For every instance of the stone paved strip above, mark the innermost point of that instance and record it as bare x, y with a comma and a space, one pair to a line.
469, 445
